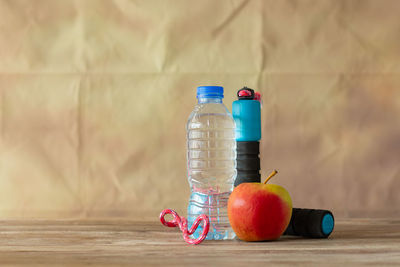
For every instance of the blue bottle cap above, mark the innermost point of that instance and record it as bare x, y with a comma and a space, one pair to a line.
210, 92
327, 224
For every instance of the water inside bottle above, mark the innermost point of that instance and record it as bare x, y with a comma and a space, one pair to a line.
211, 167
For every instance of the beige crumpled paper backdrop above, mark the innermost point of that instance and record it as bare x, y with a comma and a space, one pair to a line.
95, 96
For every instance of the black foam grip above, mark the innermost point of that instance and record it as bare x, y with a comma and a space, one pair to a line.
248, 162
252, 173
255, 178
247, 179
307, 223
248, 147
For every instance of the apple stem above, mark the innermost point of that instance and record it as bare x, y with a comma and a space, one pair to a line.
270, 176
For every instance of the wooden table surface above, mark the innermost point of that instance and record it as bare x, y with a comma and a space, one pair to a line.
353, 242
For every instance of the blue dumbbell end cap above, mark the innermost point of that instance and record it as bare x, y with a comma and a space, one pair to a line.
327, 224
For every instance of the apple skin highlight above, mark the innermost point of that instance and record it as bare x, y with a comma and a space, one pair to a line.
259, 212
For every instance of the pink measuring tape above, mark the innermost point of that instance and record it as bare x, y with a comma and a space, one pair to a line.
181, 222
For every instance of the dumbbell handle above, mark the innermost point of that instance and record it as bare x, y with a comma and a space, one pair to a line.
310, 223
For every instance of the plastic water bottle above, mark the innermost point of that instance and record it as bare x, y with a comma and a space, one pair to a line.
211, 158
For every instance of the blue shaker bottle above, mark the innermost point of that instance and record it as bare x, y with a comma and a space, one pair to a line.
246, 112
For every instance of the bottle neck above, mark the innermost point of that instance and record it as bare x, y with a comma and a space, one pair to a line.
207, 100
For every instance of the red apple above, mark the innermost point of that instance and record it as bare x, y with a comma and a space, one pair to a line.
259, 211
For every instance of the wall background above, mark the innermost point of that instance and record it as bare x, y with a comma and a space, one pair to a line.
95, 95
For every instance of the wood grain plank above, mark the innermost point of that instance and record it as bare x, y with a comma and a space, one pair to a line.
122, 242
